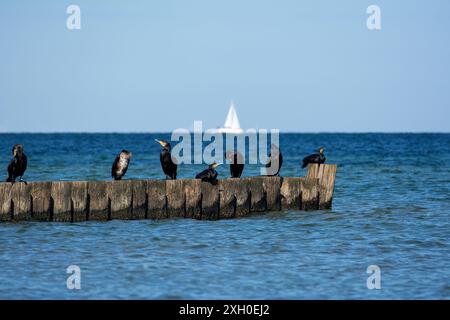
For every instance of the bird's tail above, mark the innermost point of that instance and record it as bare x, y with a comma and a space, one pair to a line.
304, 165
9, 179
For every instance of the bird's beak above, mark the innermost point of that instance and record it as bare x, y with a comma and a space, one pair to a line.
215, 165
160, 142
131, 154
15, 152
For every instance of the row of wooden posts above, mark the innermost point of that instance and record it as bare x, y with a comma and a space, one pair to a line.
74, 201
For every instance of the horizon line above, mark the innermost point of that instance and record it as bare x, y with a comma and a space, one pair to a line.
283, 132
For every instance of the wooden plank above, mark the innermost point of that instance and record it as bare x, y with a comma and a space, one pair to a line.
21, 198
313, 171
327, 180
5, 202
139, 190
157, 201
80, 205
326, 174
62, 201
243, 200
121, 194
310, 194
176, 198
99, 202
210, 201
291, 193
41, 200
272, 186
193, 193
234, 198
258, 201
227, 198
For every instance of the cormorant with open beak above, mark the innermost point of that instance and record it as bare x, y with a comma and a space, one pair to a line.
18, 164
209, 175
275, 161
314, 158
167, 164
236, 163
120, 165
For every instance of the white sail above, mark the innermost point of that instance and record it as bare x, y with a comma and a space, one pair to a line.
232, 120
232, 124
229, 119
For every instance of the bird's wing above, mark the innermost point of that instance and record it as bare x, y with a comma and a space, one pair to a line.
308, 159
114, 166
25, 162
11, 168
202, 175
166, 162
125, 168
174, 170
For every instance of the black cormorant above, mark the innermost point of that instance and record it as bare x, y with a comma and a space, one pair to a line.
120, 165
276, 157
314, 158
236, 163
18, 164
167, 164
209, 175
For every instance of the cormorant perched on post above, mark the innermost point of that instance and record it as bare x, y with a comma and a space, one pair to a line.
168, 166
276, 157
314, 158
120, 165
209, 175
236, 163
18, 164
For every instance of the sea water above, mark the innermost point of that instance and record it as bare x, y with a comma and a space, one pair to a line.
390, 209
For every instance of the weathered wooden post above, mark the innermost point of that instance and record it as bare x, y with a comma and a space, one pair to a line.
80, 201
310, 194
326, 174
21, 200
99, 202
227, 199
120, 194
5, 202
74, 201
291, 193
234, 199
193, 191
272, 186
61, 195
157, 200
258, 202
210, 201
41, 201
176, 198
140, 199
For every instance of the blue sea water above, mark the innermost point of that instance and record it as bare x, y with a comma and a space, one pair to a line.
390, 209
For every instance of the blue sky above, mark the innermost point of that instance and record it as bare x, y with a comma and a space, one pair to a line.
148, 66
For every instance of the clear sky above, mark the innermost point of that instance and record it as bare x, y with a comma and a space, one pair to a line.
147, 66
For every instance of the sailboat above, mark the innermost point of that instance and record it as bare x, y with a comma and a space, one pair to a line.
232, 124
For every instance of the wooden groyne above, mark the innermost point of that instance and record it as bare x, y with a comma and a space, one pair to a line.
73, 201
